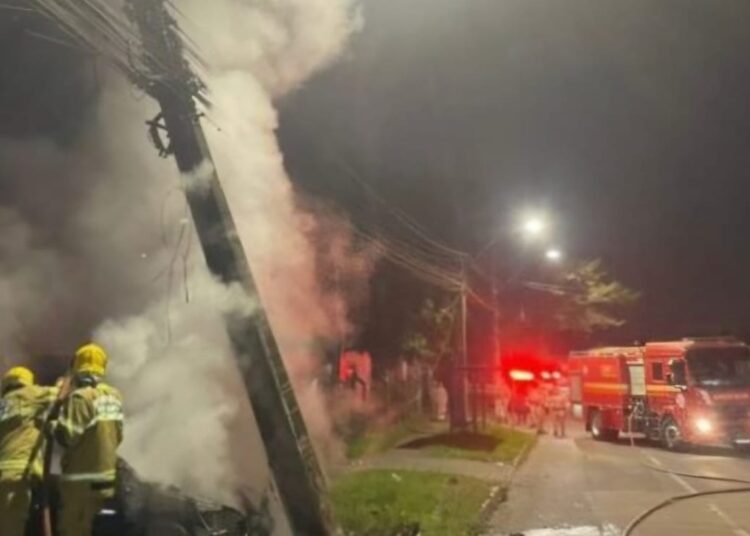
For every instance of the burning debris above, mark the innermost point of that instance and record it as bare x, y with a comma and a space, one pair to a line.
140, 508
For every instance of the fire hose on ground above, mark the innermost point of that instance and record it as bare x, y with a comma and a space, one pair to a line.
640, 518
677, 498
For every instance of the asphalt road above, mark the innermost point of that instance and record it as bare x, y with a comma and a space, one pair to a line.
581, 487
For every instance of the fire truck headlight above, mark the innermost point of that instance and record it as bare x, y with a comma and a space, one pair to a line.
703, 425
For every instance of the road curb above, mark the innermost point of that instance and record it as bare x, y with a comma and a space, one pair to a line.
519, 459
499, 493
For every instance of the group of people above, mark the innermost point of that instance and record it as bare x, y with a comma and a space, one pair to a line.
82, 416
547, 401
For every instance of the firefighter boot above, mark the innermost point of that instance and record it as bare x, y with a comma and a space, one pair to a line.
15, 501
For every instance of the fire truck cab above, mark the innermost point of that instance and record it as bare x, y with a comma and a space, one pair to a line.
692, 391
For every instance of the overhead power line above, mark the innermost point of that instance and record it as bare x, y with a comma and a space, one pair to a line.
108, 33
481, 301
410, 231
425, 269
404, 218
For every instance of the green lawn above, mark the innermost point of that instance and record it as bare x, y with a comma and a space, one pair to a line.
496, 444
381, 439
387, 503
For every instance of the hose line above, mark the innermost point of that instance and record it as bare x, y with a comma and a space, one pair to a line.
640, 518
696, 476
672, 500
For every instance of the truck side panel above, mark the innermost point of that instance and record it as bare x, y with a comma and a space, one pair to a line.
604, 388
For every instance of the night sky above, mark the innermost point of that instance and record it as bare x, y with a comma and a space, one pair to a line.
627, 121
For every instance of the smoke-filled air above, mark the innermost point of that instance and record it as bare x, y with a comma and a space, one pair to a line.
98, 242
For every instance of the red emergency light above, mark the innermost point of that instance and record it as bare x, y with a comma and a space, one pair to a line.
550, 375
521, 375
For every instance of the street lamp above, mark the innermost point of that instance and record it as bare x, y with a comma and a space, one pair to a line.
530, 227
553, 255
534, 226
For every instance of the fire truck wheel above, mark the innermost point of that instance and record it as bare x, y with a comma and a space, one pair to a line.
597, 431
612, 435
671, 436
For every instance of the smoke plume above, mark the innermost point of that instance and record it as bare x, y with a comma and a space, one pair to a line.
98, 242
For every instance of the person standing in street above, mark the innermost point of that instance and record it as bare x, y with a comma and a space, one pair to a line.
560, 407
23, 410
537, 399
518, 409
90, 429
354, 381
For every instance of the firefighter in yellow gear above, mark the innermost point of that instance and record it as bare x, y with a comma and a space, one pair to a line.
90, 430
23, 410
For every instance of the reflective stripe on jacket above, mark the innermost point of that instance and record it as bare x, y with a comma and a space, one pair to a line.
22, 415
90, 429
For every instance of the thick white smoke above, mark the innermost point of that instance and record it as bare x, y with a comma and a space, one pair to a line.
81, 228
265, 49
25, 268
122, 252
278, 44
254, 52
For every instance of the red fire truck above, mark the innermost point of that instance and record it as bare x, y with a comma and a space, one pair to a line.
693, 391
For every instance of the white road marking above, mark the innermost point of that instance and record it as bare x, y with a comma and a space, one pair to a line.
736, 528
606, 530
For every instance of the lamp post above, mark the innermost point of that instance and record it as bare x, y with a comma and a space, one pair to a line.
532, 227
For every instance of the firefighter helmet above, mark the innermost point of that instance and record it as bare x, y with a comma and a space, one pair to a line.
17, 376
91, 359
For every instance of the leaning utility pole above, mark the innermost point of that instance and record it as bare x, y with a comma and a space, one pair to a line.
171, 82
